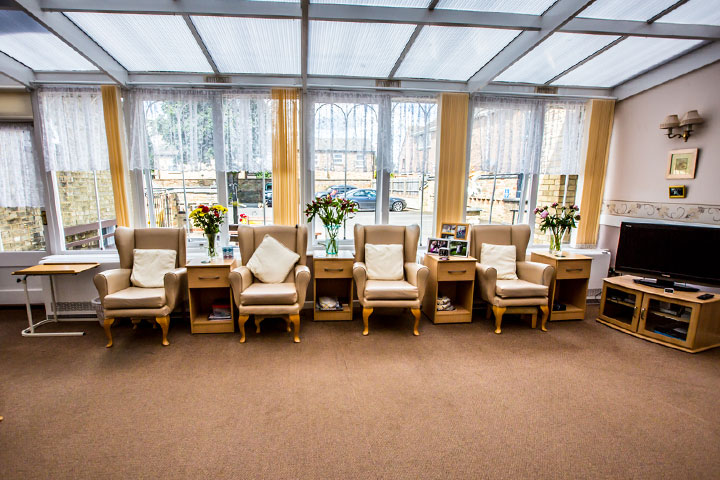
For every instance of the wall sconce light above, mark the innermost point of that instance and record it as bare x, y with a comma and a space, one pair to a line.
686, 123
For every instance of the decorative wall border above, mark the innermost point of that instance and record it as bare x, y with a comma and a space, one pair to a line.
675, 212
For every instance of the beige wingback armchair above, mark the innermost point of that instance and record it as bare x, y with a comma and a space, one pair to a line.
525, 295
406, 293
121, 299
254, 297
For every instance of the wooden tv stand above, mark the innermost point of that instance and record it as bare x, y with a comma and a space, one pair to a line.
679, 320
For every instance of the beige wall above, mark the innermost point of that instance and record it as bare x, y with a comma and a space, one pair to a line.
639, 152
15, 105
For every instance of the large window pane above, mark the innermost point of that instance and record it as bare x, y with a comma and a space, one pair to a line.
412, 181
346, 139
554, 188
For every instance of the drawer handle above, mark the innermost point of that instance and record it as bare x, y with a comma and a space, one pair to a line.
210, 278
456, 271
573, 269
334, 269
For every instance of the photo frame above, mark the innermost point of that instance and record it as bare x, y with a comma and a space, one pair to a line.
444, 253
682, 163
435, 244
448, 229
677, 191
462, 230
459, 248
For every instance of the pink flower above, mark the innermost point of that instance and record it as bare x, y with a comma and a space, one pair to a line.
544, 214
555, 204
576, 208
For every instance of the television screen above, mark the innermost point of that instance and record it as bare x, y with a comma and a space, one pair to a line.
670, 252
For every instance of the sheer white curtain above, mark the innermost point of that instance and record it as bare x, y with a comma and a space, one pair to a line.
73, 129
564, 128
247, 123
20, 178
171, 129
506, 134
414, 125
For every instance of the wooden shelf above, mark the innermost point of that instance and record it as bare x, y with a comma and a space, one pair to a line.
332, 276
569, 284
571, 312
454, 278
620, 302
669, 316
207, 283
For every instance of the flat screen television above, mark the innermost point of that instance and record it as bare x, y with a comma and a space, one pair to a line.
669, 254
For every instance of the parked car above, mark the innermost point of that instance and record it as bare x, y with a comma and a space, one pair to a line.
268, 198
336, 190
366, 198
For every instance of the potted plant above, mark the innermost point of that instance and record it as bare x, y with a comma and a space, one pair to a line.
209, 219
561, 220
332, 213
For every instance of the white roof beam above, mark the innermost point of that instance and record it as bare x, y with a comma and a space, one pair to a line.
200, 43
304, 42
16, 70
641, 29
554, 18
78, 40
680, 66
243, 8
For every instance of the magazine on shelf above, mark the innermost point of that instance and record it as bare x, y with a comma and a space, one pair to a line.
329, 304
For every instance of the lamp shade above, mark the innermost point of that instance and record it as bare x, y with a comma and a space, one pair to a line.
691, 118
671, 121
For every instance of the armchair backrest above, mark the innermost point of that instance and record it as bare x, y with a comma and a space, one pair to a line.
128, 239
387, 234
518, 235
294, 238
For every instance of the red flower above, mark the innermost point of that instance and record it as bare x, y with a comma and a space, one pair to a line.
205, 209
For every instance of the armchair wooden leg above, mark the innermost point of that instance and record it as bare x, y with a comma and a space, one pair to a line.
106, 325
416, 314
164, 323
533, 324
366, 314
498, 311
295, 319
135, 322
287, 323
258, 319
241, 325
545, 314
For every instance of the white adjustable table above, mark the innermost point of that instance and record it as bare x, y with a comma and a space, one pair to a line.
50, 270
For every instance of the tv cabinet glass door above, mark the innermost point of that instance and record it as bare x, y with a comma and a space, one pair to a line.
621, 307
672, 321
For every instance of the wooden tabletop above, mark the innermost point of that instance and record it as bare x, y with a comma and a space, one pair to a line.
567, 256
452, 258
202, 262
341, 255
57, 269
628, 281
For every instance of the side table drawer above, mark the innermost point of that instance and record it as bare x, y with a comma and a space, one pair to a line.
450, 271
208, 277
573, 269
333, 268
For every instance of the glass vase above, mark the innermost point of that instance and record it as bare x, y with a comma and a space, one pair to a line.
212, 252
556, 243
331, 233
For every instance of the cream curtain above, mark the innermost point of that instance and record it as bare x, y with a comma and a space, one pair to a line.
596, 156
116, 151
285, 156
451, 166
20, 178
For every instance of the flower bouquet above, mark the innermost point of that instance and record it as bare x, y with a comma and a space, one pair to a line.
332, 213
559, 222
209, 219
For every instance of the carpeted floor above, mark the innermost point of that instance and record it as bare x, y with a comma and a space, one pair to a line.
581, 401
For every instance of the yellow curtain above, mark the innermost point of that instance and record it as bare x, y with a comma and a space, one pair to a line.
452, 145
115, 133
285, 164
598, 148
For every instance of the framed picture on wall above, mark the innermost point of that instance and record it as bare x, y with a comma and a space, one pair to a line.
681, 163
677, 191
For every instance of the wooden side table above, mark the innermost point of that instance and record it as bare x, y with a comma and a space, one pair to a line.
569, 284
454, 278
207, 284
332, 276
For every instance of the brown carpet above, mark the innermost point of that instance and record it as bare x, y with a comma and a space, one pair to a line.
581, 401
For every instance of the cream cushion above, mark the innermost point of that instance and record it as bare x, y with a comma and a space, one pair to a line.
269, 294
390, 290
150, 266
272, 261
519, 289
134, 297
384, 262
501, 258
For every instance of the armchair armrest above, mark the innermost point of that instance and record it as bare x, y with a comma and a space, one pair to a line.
302, 279
417, 275
175, 282
240, 279
111, 281
360, 277
487, 278
535, 272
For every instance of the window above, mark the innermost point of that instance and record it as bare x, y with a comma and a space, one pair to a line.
412, 182
346, 129
21, 191
75, 149
524, 152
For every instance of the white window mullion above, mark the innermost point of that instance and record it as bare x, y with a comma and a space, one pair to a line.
220, 174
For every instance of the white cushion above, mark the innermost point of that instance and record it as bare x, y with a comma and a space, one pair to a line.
150, 266
272, 261
384, 262
502, 258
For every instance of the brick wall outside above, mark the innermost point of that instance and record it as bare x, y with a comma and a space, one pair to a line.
78, 205
551, 189
21, 229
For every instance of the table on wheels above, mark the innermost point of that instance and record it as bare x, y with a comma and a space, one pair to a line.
50, 269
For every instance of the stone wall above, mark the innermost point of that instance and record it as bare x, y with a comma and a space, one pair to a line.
21, 230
